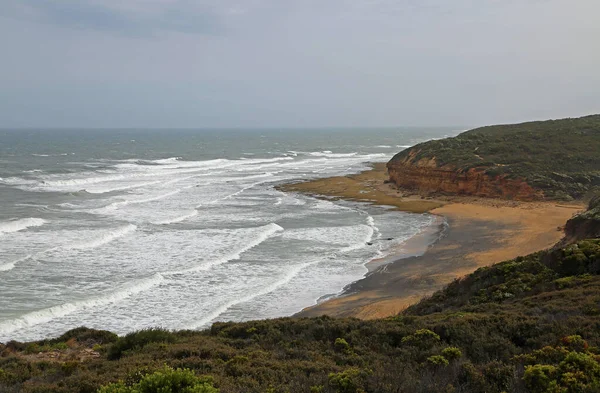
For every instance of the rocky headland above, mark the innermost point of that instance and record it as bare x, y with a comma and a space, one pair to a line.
544, 160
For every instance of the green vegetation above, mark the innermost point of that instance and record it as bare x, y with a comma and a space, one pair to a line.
559, 157
531, 324
166, 380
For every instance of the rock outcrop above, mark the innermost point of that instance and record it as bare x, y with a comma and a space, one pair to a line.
585, 225
425, 177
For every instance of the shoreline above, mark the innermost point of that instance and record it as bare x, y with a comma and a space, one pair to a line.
413, 247
478, 232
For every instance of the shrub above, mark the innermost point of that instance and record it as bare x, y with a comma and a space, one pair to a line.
83, 334
437, 361
423, 338
138, 340
347, 381
451, 353
167, 380
539, 378
341, 345
575, 343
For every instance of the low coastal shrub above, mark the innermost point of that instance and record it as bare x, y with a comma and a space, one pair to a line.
437, 361
166, 380
422, 338
452, 353
139, 339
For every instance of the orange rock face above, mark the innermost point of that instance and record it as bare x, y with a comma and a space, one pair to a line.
426, 178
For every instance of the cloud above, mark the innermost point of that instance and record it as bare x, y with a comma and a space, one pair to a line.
123, 17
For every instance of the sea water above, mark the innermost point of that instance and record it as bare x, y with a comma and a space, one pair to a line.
128, 229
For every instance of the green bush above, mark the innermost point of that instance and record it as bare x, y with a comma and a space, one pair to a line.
437, 361
423, 338
86, 335
167, 380
138, 340
347, 381
540, 378
451, 353
341, 345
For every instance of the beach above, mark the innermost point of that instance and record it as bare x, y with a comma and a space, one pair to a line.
470, 233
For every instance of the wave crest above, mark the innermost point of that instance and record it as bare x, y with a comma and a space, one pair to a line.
19, 225
48, 314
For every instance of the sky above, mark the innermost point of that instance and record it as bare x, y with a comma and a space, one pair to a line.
302, 63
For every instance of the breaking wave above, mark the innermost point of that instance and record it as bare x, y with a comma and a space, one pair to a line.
289, 276
19, 225
265, 233
51, 313
102, 240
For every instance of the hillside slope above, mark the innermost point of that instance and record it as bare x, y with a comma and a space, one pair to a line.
555, 159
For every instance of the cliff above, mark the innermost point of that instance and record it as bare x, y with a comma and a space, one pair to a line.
426, 177
585, 225
556, 159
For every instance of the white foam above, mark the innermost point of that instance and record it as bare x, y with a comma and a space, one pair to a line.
7, 266
51, 313
384, 146
362, 243
130, 170
103, 190
175, 220
245, 188
293, 272
11, 265
19, 225
265, 232
327, 153
338, 235
117, 205
371, 223
106, 238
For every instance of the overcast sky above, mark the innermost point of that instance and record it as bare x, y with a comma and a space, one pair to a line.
254, 63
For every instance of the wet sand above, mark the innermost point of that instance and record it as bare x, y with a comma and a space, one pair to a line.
471, 233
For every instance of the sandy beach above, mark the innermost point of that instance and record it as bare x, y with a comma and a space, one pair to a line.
471, 233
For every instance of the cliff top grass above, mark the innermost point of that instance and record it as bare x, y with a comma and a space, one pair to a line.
560, 157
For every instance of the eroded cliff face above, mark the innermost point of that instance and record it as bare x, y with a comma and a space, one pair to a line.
585, 225
425, 177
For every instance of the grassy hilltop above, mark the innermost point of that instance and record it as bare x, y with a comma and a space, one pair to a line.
559, 157
531, 324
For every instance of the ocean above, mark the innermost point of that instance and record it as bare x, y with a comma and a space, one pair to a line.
129, 229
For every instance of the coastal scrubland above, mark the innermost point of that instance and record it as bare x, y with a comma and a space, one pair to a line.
530, 324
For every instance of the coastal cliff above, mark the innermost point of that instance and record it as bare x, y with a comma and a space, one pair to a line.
584, 225
426, 177
556, 159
